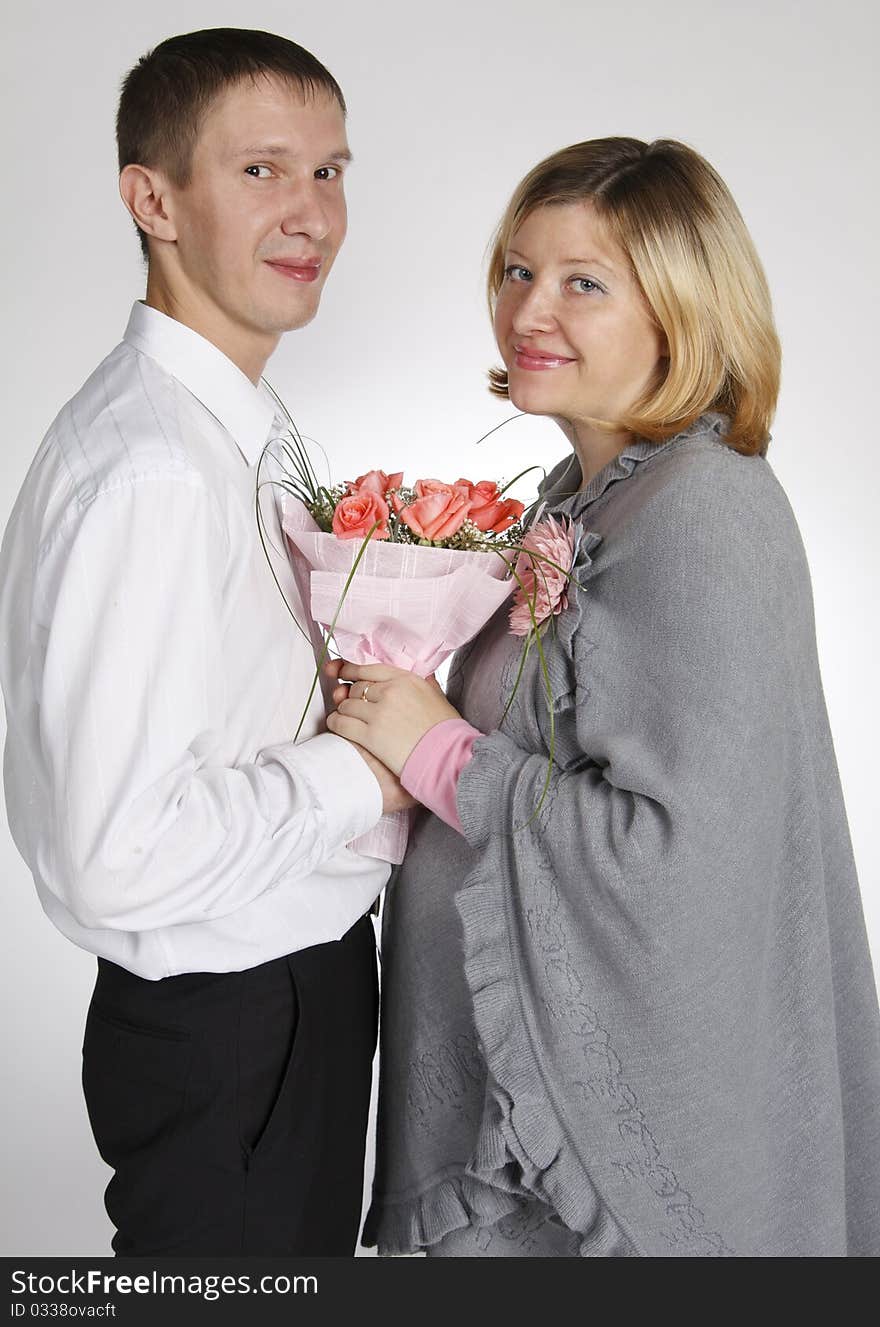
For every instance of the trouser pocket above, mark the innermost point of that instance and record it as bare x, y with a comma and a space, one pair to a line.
135, 1080
269, 1020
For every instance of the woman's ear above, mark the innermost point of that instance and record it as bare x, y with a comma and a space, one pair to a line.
145, 194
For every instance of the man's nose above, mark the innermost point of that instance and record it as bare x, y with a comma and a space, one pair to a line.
306, 214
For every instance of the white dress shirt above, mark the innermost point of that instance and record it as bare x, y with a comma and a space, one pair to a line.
153, 680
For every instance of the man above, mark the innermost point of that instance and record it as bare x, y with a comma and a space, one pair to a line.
153, 680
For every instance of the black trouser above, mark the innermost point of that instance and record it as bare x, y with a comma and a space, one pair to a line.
233, 1106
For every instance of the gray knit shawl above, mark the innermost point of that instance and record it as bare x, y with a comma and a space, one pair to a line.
647, 1012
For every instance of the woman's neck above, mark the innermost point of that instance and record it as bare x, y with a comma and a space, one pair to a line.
593, 449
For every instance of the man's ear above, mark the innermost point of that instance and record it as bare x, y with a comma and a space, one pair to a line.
145, 194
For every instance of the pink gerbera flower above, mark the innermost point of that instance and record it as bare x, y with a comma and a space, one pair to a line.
543, 589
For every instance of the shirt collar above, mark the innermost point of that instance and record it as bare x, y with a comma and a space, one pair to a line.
248, 413
561, 489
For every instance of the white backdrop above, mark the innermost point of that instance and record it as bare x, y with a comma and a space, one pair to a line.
448, 108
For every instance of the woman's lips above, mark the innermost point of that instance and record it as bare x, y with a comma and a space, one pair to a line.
296, 271
538, 359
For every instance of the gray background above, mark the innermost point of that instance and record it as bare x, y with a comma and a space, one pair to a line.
448, 109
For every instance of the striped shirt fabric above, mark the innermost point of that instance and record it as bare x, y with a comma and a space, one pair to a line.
153, 679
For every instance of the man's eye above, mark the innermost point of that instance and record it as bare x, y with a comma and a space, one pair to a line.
253, 172
327, 172
516, 272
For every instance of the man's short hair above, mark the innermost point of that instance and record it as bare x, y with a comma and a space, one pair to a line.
166, 95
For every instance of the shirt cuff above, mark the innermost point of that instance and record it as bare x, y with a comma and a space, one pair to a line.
342, 784
432, 771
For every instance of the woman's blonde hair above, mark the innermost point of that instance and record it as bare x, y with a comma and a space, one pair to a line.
674, 218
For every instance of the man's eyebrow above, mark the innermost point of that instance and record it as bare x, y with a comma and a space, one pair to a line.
281, 150
574, 262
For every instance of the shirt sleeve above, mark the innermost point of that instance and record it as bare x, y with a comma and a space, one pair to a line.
154, 823
434, 766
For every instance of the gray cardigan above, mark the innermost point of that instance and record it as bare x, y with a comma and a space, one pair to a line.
649, 1012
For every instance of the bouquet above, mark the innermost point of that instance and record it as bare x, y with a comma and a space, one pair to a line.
406, 574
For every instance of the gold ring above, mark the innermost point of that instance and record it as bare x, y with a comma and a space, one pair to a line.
364, 692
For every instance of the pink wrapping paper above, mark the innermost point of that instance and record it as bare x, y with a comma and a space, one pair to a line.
408, 605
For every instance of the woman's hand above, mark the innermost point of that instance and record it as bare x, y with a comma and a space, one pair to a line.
398, 710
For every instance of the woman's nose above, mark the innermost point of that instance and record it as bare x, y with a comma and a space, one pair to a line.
535, 310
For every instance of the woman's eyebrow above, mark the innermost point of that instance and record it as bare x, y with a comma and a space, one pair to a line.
572, 262
589, 262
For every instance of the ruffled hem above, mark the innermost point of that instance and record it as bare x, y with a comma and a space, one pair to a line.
528, 1143
519, 1158
414, 1224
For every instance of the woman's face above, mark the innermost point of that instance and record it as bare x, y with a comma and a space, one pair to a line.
572, 325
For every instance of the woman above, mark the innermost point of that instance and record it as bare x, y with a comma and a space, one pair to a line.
633, 1015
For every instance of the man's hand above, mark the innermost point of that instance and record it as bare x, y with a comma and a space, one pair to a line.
394, 797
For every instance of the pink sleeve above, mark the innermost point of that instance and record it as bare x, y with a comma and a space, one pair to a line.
435, 762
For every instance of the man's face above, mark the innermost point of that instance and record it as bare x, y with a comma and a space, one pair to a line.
263, 217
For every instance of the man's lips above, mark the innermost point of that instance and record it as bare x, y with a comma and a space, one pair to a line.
526, 358
296, 269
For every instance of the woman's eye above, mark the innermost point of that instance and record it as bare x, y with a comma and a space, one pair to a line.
516, 272
251, 170
327, 172
584, 285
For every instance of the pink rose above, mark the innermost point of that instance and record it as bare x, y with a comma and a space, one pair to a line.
377, 481
357, 512
423, 487
543, 590
439, 511
489, 510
